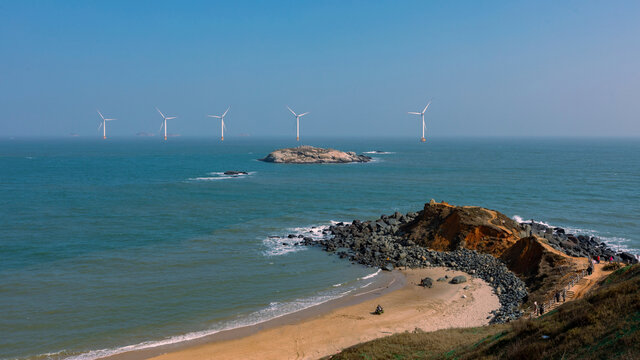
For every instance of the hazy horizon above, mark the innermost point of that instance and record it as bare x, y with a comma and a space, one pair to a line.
515, 69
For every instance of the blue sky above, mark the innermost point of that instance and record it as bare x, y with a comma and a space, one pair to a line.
507, 68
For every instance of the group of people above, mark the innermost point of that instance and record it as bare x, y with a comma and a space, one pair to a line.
560, 294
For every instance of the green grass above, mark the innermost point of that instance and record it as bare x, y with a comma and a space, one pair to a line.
603, 325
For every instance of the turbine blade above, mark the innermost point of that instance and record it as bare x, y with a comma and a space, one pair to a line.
426, 107
170, 118
109, 119
161, 114
225, 113
215, 116
100, 126
293, 112
100, 114
414, 113
161, 126
303, 114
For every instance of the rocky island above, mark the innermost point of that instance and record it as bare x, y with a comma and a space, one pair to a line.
312, 155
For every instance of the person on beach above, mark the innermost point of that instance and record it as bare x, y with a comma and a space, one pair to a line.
564, 295
598, 259
610, 259
379, 310
535, 307
557, 296
541, 309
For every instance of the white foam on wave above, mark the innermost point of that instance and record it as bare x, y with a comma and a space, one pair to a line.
281, 244
214, 176
379, 152
615, 242
370, 275
520, 220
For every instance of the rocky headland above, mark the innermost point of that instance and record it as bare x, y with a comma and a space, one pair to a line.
313, 155
522, 262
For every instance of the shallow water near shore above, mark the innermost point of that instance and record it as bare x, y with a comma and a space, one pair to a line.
136, 242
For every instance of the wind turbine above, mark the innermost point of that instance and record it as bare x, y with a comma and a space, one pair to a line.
422, 115
164, 122
103, 125
221, 117
297, 122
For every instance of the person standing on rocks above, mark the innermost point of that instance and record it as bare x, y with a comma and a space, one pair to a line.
564, 295
535, 308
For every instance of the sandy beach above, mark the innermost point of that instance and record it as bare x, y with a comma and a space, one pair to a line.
326, 331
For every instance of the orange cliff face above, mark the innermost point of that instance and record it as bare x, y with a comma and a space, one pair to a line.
444, 227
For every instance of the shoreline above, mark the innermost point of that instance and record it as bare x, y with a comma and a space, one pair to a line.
327, 328
383, 283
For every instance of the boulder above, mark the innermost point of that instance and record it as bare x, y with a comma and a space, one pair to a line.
426, 282
388, 267
458, 279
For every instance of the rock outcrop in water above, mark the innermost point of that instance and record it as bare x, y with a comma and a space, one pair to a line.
312, 155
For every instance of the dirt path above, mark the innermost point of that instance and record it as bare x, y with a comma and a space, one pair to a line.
583, 286
588, 282
494, 216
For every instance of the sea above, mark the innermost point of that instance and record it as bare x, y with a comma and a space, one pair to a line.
114, 245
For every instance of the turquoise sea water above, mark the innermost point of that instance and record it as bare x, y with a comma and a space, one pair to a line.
120, 244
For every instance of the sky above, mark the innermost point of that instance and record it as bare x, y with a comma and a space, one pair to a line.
490, 68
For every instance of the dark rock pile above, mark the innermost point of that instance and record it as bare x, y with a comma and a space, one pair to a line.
380, 243
576, 245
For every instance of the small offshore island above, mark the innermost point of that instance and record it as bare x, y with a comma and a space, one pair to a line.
312, 155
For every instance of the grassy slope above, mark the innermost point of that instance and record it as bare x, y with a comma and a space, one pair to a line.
603, 325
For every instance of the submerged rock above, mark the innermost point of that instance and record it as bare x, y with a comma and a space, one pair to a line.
232, 172
312, 155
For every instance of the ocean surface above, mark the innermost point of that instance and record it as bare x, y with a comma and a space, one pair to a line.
114, 245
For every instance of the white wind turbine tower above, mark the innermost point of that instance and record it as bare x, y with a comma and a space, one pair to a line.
103, 125
164, 122
422, 115
222, 126
297, 122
